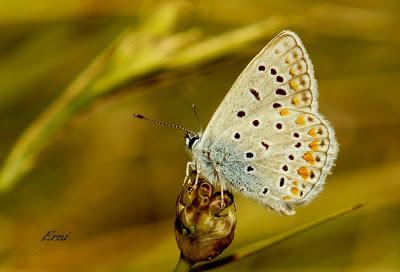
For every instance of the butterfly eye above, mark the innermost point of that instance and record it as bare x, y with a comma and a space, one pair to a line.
192, 141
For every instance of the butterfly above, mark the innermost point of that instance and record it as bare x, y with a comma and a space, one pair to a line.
266, 139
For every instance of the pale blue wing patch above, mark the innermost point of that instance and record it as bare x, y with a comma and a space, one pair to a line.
267, 138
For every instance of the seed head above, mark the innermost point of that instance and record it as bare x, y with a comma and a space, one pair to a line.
204, 226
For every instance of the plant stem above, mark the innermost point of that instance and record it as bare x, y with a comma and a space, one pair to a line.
183, 265
264, 244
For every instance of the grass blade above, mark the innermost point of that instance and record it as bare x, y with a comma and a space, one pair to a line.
264, 244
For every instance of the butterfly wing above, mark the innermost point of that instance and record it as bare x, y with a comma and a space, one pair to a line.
269, 118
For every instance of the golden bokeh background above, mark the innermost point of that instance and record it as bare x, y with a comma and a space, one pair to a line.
111, 181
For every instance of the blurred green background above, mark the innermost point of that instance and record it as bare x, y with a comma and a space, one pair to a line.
111, 181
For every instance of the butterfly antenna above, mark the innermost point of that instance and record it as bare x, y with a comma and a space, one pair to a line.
197, 116
139, 116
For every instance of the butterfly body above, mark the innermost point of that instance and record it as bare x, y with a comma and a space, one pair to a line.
267, 139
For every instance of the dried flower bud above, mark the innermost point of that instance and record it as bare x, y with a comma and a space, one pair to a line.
204, 226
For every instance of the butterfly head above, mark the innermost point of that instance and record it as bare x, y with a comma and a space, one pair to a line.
191, 139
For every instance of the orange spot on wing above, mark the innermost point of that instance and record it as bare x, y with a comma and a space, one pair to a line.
300, 120
314, 145
293, 84
295, 101
303, 172
294, 182
312, 132
284, 112
309, 157
295, 190
286, 197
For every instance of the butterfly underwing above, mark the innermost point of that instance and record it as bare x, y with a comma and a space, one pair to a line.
267, 139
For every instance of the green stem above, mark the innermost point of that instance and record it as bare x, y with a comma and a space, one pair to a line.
183, 265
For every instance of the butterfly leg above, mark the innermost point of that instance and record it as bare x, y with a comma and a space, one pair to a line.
197, 176
222, 184
189, 165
